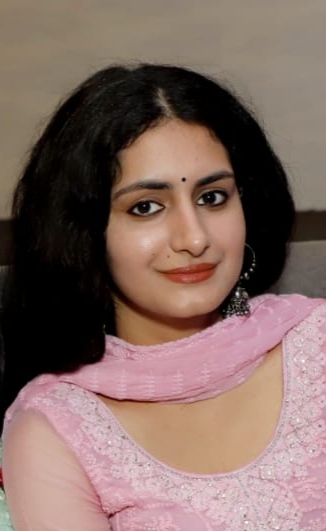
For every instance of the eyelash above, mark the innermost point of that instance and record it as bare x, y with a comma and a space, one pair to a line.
145, 215
215, 192
133, 212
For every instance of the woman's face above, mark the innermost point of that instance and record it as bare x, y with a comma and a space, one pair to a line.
176, 233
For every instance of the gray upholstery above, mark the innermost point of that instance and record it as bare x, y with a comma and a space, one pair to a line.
304, 273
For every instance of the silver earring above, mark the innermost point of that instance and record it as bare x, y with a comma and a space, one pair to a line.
238, 302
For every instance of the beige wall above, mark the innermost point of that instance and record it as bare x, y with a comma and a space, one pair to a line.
272, 51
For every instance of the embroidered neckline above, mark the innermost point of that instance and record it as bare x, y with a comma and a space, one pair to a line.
108, 417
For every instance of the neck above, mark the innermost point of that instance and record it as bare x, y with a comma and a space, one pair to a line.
143, 329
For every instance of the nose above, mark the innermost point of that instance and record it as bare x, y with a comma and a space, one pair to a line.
189, 232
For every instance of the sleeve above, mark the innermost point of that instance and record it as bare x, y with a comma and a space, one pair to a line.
46, 487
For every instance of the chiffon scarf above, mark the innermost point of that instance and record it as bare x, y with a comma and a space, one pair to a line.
197, 367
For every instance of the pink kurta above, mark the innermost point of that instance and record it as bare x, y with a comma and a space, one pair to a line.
70, 466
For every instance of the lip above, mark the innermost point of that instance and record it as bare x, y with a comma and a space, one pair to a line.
191, 274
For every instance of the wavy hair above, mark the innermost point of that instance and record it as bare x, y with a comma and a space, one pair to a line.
58, 295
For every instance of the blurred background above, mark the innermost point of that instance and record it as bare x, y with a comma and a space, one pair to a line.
271, 53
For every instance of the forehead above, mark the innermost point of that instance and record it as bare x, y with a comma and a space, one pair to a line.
172, 150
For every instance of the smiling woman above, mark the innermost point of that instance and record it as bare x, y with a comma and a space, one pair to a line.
147, 385
189, 233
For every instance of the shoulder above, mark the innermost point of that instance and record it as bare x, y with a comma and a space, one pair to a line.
273, 299
51, 411
61, 403
42, 389
29, 434
315, 318
292, 306
310, 314
306, 342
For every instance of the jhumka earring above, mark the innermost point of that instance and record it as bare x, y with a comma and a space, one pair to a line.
238, 301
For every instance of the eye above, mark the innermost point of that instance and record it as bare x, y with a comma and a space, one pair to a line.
212, 198
145, 208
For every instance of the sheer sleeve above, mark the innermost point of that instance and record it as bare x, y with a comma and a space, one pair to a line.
46, 487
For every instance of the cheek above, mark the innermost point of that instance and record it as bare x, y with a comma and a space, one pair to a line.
128, 248
237, 241
238, 227
238, 234
146, 244
231, 231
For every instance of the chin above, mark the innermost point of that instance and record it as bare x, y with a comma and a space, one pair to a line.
192, 311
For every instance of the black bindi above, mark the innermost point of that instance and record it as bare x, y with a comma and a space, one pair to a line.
183, 179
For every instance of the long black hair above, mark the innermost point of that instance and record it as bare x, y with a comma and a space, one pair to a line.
57, 297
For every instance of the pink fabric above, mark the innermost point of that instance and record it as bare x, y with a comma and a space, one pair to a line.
69, 448
197, 367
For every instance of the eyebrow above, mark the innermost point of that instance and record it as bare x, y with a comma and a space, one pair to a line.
161, 185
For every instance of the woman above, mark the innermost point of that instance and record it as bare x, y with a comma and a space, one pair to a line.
159, 396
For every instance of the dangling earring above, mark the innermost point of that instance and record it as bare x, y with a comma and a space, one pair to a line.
238, 301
